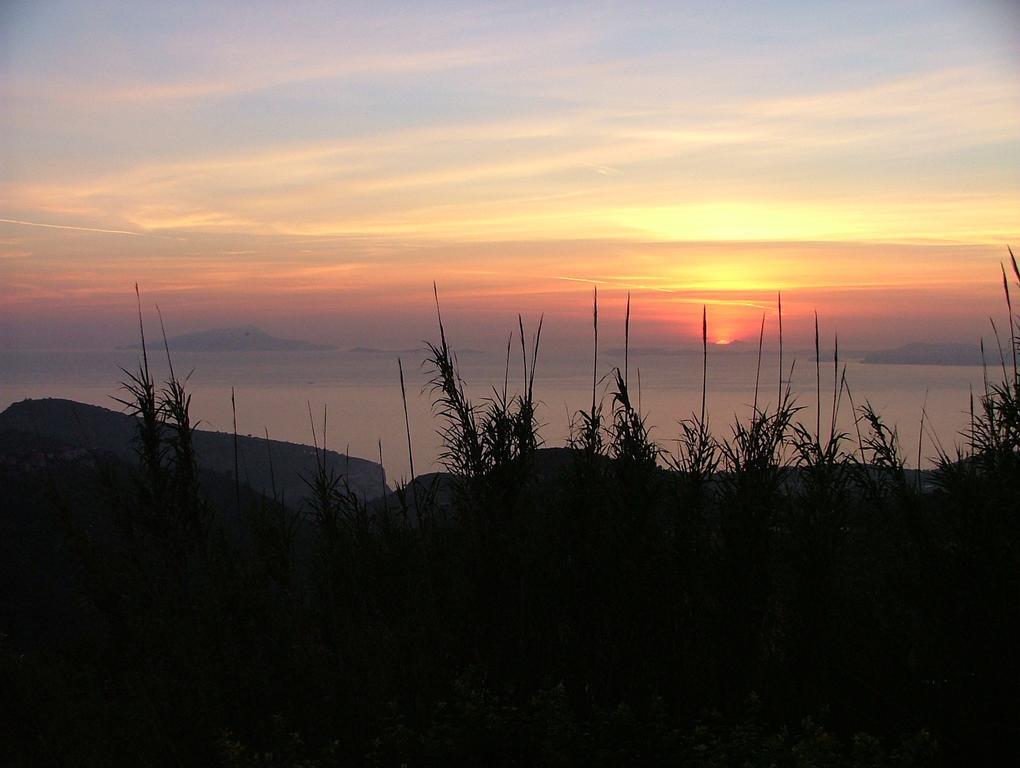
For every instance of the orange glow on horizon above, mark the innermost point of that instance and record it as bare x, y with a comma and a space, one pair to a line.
204, 275
334, 161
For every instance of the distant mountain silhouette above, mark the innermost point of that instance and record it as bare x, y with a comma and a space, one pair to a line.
919, 353
248, 338
415, 351
81, 427
685, 349
378, 351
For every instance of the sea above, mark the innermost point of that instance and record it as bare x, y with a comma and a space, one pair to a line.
351, 400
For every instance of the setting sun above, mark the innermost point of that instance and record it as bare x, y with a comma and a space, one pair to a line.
510, 383
320, 181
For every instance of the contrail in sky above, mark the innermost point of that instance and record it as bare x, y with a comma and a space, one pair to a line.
85, 229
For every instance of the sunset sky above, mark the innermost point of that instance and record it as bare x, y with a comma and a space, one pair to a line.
313, 167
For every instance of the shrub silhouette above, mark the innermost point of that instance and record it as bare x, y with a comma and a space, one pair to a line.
777, 596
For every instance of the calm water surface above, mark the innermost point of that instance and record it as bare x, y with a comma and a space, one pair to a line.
361, 392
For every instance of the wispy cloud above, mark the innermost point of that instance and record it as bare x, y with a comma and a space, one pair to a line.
334, 148
398, 63
82, 229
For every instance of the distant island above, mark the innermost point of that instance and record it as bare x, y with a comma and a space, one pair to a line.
248, 338
378, 351
690, 348
418, 350
918, 353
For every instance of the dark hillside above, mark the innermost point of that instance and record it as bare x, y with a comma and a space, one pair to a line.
90, 427
782, 594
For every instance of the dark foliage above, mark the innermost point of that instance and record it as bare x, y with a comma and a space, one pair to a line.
780, 597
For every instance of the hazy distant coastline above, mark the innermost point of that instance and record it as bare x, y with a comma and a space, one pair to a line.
415, 351
247, 338
919, 353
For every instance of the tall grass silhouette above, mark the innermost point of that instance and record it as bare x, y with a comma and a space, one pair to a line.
778, 594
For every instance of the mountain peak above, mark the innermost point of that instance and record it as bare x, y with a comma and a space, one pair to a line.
245, 338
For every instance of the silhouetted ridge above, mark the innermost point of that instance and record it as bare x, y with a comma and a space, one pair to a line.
919, 353
244, 339
90, 427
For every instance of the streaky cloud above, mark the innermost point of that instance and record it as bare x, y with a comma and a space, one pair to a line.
87, 229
